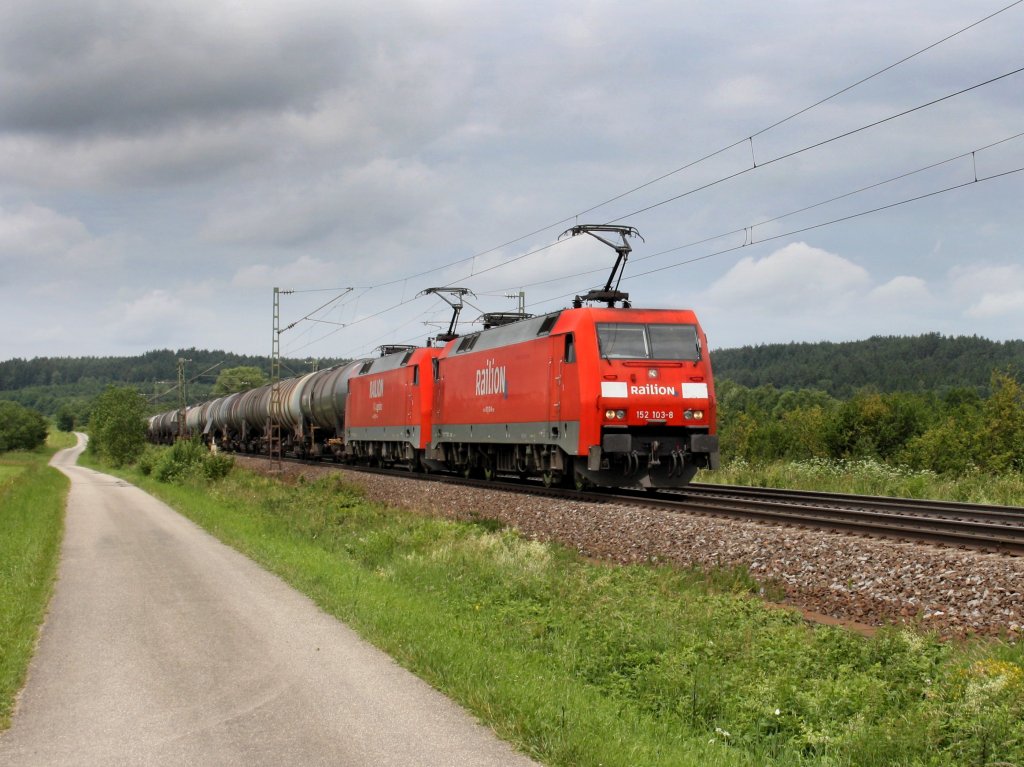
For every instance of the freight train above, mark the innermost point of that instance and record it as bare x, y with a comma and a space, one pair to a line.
607, 396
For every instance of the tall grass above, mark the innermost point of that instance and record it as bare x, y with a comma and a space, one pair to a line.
32, 499
587, 664
871, 477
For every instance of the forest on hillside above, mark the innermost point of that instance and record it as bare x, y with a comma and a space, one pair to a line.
46, 384
926, 363
929, 363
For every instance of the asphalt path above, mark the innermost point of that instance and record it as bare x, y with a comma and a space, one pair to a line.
162, 646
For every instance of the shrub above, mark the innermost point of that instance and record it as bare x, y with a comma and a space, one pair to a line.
117, 427
20, 428
186, 459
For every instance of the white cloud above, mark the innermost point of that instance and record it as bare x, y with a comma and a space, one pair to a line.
41, 244
33, 231
1003, 304
795, 280
157, 317
901, 293
989, 292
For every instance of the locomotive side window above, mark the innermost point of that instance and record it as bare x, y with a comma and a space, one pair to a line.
635, 341
415, 375
570, 348
674, 342
622, 341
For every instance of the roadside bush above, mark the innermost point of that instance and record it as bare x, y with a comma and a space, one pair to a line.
117, 426
20, 428
149, 458
186, 459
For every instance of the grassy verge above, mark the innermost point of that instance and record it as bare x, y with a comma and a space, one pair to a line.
585, 664
61, 439
869, 477
32, 501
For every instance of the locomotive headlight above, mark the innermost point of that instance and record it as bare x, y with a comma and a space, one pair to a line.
620, 414
609, 415
698, 414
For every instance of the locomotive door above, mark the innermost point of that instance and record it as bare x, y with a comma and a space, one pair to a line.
412, 403
554, 389
563, 381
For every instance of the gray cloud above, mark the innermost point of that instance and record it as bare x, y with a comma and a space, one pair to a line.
171, 162
126, 68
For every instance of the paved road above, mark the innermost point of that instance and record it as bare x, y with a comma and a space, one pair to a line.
165, 647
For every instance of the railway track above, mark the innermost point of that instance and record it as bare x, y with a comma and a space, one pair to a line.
975, 526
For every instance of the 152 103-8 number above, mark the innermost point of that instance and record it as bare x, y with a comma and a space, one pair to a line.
655, 415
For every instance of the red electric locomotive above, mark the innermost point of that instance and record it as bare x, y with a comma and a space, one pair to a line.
609, 396
389, 405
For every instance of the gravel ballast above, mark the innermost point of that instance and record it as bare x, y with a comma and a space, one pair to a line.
864, 581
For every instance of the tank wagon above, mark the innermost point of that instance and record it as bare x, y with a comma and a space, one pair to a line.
610, 396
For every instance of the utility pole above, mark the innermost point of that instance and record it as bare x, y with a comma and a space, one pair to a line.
521, 296
182, 399
274, 442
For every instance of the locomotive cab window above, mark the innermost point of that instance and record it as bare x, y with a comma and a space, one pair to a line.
635, 341
570, 348
674, 342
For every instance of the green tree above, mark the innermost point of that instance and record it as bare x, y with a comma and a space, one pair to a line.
1003, 413
875, 425
20, 428
117, 426
237, 379
65, 418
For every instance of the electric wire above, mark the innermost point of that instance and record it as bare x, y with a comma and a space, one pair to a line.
755, 165
824, 142
801, 230
707, 156
750, 228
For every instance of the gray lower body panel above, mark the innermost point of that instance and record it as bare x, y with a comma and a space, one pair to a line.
565, 434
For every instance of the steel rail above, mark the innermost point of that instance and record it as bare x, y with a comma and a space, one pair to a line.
961, 525
949, 509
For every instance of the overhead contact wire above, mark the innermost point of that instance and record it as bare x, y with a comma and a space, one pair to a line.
816, 145
713, 154
801, 230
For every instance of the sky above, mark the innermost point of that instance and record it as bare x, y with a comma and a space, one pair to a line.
163, 167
